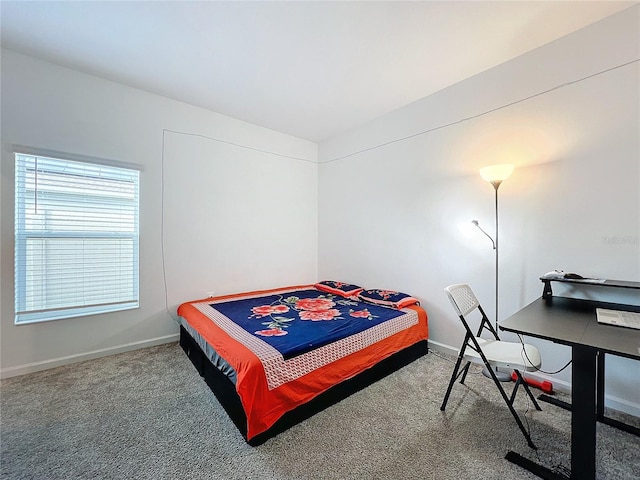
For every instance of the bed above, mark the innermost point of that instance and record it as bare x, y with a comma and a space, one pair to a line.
275, 357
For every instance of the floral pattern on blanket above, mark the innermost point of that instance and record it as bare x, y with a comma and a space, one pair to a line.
327, 317
314, 309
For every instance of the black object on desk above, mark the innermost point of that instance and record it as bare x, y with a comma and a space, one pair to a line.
573, 322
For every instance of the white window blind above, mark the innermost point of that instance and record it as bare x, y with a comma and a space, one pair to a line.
76, 238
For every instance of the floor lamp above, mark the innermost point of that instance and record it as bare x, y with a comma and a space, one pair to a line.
496, 174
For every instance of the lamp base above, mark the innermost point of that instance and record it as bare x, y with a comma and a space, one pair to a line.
501, 376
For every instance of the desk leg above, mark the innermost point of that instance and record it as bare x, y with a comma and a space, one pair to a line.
583, 416
583, 420
600, 403
600, 387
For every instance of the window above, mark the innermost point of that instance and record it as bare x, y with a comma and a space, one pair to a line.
76, 238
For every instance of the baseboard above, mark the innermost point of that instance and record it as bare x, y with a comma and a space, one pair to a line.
441, 347
81, 357
616, 403
613, 402
622, 405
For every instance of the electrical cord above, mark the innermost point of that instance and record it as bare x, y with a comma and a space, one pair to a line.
164, 269
524, 351
165, 131
239, 145
526, 420
477, 115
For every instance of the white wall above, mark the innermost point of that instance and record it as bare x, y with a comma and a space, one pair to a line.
396, 216
219, 213
404, 200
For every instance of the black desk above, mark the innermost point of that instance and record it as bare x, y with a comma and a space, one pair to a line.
573, 322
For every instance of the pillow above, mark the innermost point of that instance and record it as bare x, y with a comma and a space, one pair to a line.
388, 298
338, 288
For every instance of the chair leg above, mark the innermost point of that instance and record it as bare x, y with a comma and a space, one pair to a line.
526, 387
465, 369
515, 390
454, 375
511, 409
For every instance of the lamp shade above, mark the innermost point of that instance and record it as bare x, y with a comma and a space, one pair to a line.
496, 173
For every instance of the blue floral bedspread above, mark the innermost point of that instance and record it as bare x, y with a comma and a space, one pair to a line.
299, 321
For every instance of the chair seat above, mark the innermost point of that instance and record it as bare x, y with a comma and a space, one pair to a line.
506, 354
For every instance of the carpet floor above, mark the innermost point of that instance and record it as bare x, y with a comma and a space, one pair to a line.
147, 414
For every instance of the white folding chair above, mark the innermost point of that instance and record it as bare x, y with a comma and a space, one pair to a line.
493, 352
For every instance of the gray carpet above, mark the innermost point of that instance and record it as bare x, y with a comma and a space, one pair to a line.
148, 415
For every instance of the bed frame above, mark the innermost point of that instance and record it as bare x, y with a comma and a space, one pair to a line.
225, 390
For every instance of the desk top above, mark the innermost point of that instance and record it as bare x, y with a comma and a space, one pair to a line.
571, 321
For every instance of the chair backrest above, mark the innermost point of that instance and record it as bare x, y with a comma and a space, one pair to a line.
462, 298
464, 302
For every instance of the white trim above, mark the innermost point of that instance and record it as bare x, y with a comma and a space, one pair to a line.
622, 405
42, 152
615, 403
81, 357
441, 347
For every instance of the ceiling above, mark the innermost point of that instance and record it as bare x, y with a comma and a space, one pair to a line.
310, 69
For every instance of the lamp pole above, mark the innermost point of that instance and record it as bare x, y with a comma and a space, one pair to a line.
495, 175
496, 184
501, 376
